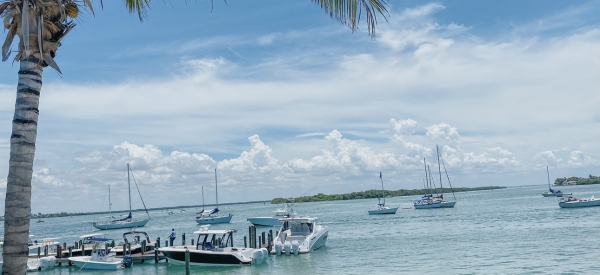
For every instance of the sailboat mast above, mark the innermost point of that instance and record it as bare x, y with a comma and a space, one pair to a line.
203, 198
548, 173
426, 176
129, 188
109, 204
382, 193
439, 169
216, 189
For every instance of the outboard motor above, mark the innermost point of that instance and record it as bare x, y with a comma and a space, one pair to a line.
127, 261
295, 247
278, 247
287, 247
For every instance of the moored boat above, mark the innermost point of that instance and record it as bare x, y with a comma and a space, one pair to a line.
381, 207
299, 235
212, 216
138, 241
569, 201
552, 192
100, 259
214, 248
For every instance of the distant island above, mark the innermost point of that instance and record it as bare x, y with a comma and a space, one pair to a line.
577, 181
373, 194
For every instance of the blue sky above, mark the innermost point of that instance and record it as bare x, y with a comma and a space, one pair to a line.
281, 98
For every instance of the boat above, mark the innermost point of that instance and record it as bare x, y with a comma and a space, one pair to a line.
33, 264
443, 202
569, 201
100, 259
37, 248
427, 201
551, 192
214, 248
138, 241
299, 235
212, 216
110, 222
39, 221
280, 213
381, 208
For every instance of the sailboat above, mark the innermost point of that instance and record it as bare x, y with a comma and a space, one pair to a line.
444, 203
211, 216
427, 201
381, 208
551, 192
127, 222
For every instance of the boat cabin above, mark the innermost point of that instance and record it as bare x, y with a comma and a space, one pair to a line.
296, 228
218, 240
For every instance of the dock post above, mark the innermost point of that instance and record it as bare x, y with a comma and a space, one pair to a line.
182, 238
105, 248
129, 248
264, 240
166, 243
45, 250
65, 245
124, 249
39, 251
155, 256
80, 243
143, 246
245, 242
259, 241
270, 240
187, 262
158, 242
254, 237
70, 255
192, 241
58, 251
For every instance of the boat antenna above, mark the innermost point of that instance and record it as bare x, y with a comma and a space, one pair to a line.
439, 169
445, 171
138, 189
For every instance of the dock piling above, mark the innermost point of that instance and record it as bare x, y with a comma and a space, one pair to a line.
182, 238
187, 262
245, 242
155, 256
143, 246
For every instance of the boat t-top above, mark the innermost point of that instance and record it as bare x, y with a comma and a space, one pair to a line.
215, 248
299, 235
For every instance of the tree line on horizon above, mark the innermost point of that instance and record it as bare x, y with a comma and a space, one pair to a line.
578, 181
374, 193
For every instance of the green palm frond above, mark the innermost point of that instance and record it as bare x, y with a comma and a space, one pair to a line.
348, 12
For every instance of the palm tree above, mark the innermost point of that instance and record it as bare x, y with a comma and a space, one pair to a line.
41, 25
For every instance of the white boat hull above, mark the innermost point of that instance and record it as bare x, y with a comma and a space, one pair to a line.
119, 225
383, 211
84, 262
265, 221
214, 220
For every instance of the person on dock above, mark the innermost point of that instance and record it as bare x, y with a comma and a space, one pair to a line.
172, 236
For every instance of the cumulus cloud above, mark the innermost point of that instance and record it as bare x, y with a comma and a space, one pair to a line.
565, 158
443, 132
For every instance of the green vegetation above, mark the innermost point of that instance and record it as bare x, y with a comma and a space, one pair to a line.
373, 194
577, 180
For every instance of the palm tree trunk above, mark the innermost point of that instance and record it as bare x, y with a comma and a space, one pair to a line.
17, 210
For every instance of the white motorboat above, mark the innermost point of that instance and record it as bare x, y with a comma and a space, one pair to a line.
109, 222
212, 216
299, 235
215, 248
569, 201
37, 248
100, 259
552, 192
274, 220
381, 208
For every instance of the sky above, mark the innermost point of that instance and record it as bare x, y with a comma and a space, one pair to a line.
284, 101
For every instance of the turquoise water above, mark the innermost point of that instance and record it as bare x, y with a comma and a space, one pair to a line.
508, 231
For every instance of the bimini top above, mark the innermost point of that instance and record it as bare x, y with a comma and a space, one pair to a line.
91, 235
296, 219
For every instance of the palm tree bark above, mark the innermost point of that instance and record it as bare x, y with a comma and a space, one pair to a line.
17, 211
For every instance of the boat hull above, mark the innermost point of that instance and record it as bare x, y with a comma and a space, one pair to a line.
428, 205
213, 220
265, 221
383, 211
447, 204
549, 194
176, 255
85, 262
576, 204
119, 225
